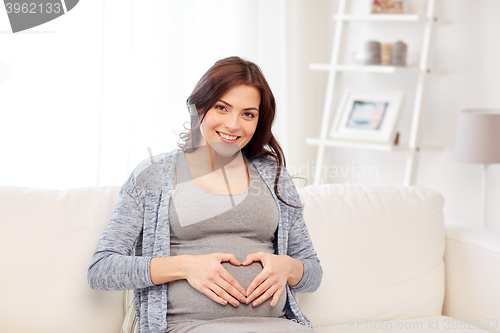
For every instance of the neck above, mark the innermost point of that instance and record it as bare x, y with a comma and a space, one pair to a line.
207, 157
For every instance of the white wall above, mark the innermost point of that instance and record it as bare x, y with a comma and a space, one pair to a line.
49, 100
465, 47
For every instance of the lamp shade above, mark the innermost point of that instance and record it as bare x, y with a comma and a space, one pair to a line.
478, 136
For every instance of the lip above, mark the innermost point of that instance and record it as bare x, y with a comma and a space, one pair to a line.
225, 140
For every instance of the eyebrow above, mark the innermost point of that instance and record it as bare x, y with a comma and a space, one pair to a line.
247, 109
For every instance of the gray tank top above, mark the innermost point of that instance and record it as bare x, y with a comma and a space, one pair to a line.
202, 222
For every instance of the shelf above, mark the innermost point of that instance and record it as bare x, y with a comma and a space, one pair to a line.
365, 68
336, 68
365, 145
380, 18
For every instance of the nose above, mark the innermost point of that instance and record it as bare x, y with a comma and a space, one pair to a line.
232, 122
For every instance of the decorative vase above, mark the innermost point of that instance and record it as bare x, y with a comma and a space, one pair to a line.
398, 54
372, 53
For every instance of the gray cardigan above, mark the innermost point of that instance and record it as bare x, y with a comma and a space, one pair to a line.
140, 221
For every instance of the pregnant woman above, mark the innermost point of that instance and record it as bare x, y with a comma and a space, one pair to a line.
216, 228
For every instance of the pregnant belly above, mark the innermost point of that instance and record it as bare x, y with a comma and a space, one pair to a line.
243, 274
185, 302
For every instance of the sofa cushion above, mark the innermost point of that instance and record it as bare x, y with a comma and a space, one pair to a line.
48, 238
381, 249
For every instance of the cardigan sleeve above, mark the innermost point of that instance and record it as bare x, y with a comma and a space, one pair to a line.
112, 266
299, 241
301, 247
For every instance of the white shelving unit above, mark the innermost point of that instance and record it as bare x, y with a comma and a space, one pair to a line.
334, 68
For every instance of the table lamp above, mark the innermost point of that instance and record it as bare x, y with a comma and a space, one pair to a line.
478, 141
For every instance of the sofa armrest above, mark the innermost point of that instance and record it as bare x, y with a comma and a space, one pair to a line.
472, 275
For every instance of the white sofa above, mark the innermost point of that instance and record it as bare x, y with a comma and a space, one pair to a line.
390, 262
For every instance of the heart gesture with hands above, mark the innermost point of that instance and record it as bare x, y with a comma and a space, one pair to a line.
277, 271
206, 274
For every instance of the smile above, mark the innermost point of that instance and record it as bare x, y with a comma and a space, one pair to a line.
228, 138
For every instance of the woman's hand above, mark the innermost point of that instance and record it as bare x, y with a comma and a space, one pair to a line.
277, 271
206, 274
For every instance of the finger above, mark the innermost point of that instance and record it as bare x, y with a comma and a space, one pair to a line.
214, 297
223, 257
259, 290
261, 277
276, 297
250, 258
219, 291
262, 298
233, 282
259, 256
231, 286
234, 261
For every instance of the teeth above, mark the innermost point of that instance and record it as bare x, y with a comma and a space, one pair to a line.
227, 137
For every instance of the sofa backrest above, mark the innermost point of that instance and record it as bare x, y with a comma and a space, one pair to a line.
381, 249
48, 237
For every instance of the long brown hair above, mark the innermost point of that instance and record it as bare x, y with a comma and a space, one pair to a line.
220, 78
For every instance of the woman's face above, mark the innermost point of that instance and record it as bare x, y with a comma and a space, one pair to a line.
230, 124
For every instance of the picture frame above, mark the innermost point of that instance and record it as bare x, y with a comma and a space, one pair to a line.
388, 7
368, 116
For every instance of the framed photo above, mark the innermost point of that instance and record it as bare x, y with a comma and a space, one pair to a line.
388, 7
368, 115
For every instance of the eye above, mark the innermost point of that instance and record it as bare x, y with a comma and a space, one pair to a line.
221, 107
249, 115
